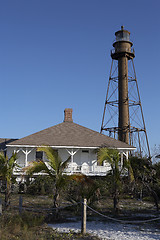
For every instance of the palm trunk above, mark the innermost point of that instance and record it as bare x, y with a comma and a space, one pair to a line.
154, 195
115, 202
56, 204
115, 198
56, 198
7, 195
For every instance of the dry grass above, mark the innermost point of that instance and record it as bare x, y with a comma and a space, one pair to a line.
104, 205
125, 204
31, 226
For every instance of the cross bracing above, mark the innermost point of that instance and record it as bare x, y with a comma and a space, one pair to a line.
136, 125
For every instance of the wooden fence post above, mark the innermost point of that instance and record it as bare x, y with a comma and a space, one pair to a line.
20, 204
0, 206
84, 216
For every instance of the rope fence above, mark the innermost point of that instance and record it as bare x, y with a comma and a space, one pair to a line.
84, 205
33, 209
21, 206
122, 221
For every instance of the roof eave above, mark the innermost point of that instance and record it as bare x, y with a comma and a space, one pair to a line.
88, 147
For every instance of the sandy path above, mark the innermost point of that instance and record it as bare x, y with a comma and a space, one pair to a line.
114, 231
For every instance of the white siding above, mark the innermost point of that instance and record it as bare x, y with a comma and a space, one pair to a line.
84, 160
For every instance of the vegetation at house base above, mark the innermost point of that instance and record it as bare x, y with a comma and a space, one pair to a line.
81, 187
136, 176
147, 177
157, 178
7, 166
118, 169
41, 185
54, 167
132, 178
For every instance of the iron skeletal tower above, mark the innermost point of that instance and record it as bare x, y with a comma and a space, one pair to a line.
123, 116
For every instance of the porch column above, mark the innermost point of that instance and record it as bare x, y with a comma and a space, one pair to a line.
126, 154
26, 152
121, 159
72, 153
123, 154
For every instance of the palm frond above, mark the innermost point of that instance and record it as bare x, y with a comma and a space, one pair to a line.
2, 158
62, 181
110, 155
52, 156
12, 161
127, 164
65, 164
102, 155
36, 167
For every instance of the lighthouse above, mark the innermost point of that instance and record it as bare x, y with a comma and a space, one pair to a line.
122, 53
123, 116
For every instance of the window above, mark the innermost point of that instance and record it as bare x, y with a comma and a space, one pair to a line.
85, 151
39, 155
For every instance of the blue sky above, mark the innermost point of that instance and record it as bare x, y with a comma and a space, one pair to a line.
55, 54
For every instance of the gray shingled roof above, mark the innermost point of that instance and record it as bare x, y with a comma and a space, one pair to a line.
70, 134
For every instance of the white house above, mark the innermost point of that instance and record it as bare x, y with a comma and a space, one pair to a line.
70, 139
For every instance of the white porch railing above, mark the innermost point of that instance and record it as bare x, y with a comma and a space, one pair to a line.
89, 170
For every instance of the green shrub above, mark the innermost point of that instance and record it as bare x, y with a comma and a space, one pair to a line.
84, 189
42, 185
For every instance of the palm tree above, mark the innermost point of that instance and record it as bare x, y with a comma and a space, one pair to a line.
112, 156
54, 167
7, 166
146, 177
87, 187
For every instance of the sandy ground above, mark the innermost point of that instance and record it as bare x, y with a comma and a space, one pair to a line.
113, 231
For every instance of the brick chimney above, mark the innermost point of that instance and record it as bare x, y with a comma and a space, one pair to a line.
68, 115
